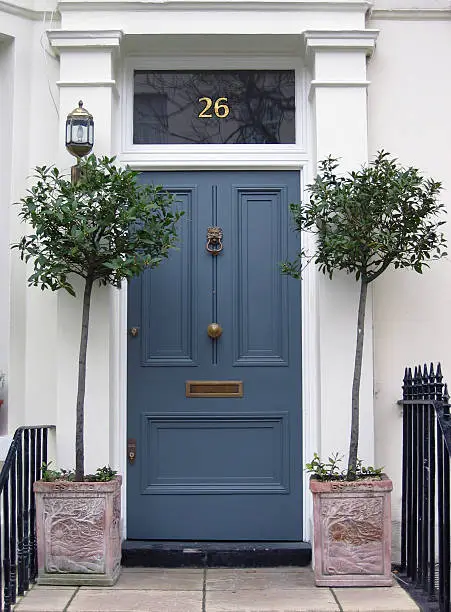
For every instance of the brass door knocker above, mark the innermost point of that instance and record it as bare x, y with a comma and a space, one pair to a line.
214, 240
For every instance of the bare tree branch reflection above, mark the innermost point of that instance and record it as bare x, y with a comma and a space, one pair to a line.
261, 103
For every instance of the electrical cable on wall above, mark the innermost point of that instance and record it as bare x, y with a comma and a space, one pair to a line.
52, 55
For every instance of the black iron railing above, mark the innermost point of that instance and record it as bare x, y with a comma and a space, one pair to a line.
18, 552
425, 522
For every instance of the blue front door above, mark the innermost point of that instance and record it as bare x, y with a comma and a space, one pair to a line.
217, 421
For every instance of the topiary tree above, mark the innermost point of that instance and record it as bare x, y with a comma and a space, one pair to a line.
105, 228
379, 216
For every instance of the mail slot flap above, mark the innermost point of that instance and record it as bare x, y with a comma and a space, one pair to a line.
214, 388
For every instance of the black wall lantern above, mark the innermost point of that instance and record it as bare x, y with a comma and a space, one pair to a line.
79, 135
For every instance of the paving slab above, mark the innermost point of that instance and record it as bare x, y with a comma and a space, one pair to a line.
272, 600
281, 589
261, 578
160, 579
110, 600
380, 599
48, 599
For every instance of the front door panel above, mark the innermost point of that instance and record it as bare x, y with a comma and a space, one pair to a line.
218, 461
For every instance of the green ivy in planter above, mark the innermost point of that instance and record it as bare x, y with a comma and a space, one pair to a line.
103, 474
331, 470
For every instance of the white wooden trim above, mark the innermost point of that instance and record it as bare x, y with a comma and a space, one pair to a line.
411, 14
316, 83
214, 5
356, 40
311, 403
223, 160
81, 39
121, 420
109, 83
213, 156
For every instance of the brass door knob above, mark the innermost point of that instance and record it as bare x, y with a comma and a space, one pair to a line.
214, 330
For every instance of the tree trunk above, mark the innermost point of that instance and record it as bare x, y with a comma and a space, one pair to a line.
355, 404
79, 430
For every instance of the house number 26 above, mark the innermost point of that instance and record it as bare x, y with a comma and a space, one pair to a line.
220, 108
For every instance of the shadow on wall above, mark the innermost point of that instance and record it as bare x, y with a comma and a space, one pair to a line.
396, 542
3, 404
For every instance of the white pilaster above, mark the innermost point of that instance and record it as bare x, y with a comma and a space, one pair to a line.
87, 73
338, 94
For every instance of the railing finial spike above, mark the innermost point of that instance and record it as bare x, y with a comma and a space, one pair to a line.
439, 374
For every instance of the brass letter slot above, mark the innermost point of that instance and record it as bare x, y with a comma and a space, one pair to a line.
214, 388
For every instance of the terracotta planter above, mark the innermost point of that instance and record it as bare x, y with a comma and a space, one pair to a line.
78, 532
352, 532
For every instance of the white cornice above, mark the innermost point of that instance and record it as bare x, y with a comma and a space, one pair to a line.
108, 83
363, 40
214, 5
412, 14
66, 39
316, 84
21, 11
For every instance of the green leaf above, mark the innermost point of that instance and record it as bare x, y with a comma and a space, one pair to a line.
107, 225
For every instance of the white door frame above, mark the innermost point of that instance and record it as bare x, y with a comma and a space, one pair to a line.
228, 157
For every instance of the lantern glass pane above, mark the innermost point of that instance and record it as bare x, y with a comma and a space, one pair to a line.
79, 132
68, 131
91, 133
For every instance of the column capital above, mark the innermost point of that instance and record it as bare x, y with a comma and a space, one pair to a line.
340, 40
85, 39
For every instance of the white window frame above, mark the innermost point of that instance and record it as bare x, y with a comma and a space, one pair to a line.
206, 156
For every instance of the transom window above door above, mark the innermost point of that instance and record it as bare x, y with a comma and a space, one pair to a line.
214, 107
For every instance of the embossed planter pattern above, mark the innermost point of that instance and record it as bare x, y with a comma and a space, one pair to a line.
78, 532
352, 532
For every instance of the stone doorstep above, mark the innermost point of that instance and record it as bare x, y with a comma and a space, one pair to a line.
143, 553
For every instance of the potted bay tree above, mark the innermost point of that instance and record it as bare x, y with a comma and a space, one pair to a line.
104, 228
371, 220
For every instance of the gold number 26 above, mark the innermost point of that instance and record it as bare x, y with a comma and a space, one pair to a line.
220, 108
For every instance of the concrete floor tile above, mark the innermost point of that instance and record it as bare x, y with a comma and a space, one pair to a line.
261, 578
272, 600
110, 600
160, 579
45, 599
379, 599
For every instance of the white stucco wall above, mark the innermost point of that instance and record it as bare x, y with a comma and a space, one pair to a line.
6, 101
29, 127
409, 102
411, 4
